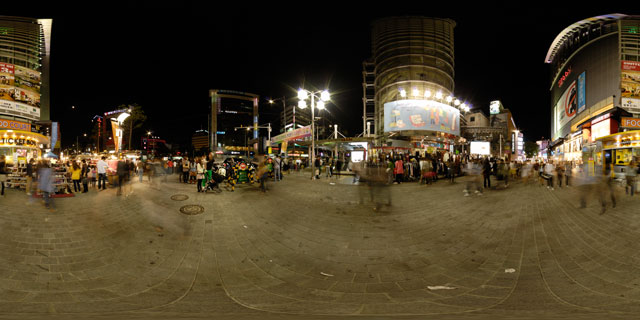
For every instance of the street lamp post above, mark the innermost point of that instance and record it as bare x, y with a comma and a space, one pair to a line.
303, 95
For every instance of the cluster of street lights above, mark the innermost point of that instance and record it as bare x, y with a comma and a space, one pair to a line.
322, 97
438, 96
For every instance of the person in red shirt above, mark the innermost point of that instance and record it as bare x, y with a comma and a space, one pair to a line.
398, 170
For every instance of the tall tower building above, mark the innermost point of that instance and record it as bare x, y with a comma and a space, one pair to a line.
413, 61
24, 68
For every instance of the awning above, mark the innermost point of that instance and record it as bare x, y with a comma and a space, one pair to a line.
555, 143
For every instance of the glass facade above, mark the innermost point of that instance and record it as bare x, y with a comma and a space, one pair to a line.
24, 67
413, 58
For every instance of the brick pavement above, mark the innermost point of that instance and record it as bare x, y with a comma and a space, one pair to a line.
308, 249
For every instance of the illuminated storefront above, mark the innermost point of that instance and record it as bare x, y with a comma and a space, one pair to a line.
595, 84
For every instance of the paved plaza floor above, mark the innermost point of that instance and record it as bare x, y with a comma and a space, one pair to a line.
309, 250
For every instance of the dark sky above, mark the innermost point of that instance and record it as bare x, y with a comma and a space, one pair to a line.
167, 57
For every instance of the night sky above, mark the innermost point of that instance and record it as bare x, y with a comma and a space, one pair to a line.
167, 57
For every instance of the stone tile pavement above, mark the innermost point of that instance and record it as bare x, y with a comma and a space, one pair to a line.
310, 250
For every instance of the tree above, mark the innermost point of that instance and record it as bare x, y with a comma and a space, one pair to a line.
531, 149
134, 121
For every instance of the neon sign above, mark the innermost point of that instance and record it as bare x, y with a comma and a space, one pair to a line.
564, 77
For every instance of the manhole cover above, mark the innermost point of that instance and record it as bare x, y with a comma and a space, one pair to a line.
179, 197
192, 209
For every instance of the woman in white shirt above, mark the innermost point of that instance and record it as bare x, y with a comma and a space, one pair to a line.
199, 173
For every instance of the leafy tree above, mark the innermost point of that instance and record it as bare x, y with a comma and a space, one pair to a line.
134, 121
531, 149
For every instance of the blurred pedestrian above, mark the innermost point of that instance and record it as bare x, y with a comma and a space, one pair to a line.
486, 172
560, 173
30, 174
549, 172
85, 176
3, 172
630, 174
121, 171
277, 167
185, 170
45, 184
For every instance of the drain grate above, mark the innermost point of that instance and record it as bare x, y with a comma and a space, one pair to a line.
192, 209
179, 197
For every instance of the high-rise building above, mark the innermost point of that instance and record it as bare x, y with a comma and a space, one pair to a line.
413, 83
595, 92
24, 68
24, 88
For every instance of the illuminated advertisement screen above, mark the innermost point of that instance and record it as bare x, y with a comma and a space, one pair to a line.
630, 86
481, 147
424, 115
19, 91
601, 129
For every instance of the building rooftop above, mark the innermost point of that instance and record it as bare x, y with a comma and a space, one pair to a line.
569, 31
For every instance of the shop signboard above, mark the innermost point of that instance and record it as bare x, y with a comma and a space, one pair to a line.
631, 105
626, 122
421, 115
15, 125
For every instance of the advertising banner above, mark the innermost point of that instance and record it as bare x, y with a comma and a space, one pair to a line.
6, 74
480, 147
582, 92
567, 106
293, 135
421, 115
630, 85
27, 79
19, 91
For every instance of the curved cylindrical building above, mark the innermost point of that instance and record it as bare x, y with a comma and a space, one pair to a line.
414, 64
24, 67
24, 87
595, 91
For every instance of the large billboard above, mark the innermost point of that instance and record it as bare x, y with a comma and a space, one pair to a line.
630, 86
423, 115
480, 147
19, 91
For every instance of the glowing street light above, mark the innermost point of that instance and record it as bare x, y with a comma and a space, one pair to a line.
303, 95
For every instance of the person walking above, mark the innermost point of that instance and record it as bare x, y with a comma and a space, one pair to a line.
140, 169
102, 174
630, 174
3, 172
84, 176
30, 175
76, 175
317, 167
121, 172
560, 174
45, 184
199, 173
549, 172
185, 170
398, 170
486, 172
277, 169
263, 174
